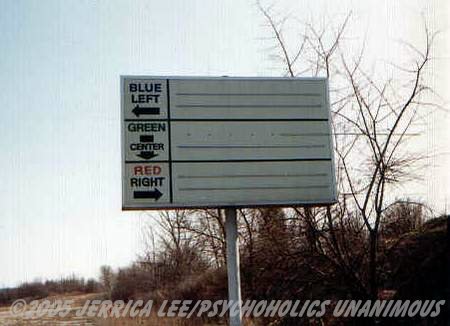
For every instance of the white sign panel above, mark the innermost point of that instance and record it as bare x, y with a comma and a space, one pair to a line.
221, 142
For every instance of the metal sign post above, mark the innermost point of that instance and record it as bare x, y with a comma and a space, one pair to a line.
234, 280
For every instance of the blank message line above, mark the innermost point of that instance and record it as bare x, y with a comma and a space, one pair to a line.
251, 176
226, 146
253, 188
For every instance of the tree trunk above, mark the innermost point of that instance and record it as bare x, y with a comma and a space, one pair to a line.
373, 281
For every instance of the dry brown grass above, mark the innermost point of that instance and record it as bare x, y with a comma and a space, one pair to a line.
71, 319
153, 320
79, 299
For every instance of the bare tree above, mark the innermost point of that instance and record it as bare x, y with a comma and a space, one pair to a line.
373, 119
107, 279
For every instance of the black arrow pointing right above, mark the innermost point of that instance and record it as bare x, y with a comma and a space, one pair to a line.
154, 194
140, 110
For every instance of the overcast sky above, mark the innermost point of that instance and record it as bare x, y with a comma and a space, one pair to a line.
60, 62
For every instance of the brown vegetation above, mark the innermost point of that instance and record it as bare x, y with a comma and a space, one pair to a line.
38, 289
284, 256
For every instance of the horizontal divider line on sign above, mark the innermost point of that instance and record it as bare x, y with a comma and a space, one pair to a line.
226, 120
145, 120
254, 188
234, 160
304, 134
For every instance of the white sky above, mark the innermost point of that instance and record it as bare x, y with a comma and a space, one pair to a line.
60, 61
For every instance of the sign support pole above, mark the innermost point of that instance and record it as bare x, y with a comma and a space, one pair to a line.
234, 281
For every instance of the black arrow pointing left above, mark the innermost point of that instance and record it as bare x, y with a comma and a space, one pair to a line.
154, 194
141, 110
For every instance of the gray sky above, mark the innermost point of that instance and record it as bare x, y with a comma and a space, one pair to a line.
60, 61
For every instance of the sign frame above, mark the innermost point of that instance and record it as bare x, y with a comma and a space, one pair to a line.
224, 205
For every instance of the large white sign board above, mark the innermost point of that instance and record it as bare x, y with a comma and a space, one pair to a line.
221, 142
